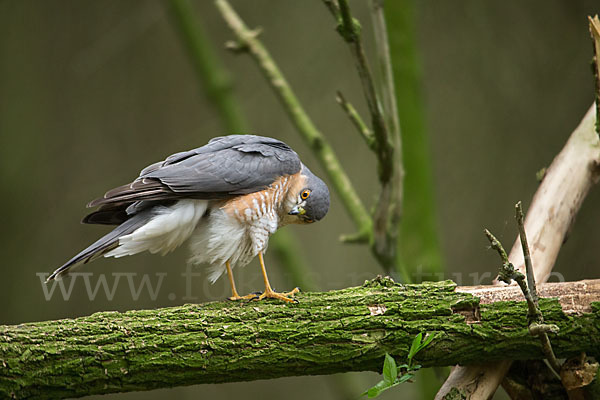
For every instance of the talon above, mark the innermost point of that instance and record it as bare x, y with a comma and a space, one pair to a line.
269, 292
287, 296
250, 296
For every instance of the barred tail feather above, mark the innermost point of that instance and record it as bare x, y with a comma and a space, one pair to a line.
102, 245
159, 230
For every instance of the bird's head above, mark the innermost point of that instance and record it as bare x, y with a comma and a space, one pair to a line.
312, 201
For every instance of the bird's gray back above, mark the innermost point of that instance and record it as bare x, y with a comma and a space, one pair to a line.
228, 165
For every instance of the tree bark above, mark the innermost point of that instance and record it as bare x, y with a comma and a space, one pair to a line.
325, 333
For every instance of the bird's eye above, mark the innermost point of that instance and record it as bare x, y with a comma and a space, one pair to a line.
305, 193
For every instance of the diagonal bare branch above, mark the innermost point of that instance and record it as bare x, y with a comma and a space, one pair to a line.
247, 40
553, 209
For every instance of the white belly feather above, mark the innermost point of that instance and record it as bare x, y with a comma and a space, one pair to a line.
166, 230
220, 238
216, 236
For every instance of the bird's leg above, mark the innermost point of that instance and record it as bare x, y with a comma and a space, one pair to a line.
269, 292
234, 293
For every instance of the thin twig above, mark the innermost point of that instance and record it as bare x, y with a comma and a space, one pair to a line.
350, 31
540, 329
496, 245
387, 86
508, 273
387, 214
357, 237
356, 120
314, 138
526, 254
333, 7
595, 33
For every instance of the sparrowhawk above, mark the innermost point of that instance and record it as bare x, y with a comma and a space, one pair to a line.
226, 197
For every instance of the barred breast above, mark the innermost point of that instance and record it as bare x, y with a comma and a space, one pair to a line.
236, 230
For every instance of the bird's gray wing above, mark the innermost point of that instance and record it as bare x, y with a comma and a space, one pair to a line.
225, 167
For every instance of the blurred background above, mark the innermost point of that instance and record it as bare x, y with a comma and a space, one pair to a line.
93, 91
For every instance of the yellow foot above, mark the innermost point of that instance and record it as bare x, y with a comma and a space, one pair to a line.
287, 296
251, 296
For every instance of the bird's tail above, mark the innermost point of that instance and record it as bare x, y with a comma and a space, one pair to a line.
102, 245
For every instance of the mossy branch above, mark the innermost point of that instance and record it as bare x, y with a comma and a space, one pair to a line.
326, 333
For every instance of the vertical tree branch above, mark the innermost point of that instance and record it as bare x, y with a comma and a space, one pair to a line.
313, 137
350, 31
526, 254
390, 210
387, 88
535, 328
419, 243
214, 79
386, 144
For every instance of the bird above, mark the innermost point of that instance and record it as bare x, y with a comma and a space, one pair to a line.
225, 198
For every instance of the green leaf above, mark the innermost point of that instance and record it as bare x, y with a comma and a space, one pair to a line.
414, 347
419, 344
390, 371
377, 389
428, 340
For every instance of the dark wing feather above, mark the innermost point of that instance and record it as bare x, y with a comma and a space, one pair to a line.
225, 167
108, 214
117, 213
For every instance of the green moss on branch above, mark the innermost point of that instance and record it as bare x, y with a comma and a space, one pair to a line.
326, 333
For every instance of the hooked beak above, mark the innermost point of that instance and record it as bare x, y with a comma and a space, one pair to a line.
298, 210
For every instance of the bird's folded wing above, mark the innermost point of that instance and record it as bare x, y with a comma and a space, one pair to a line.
225, 167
